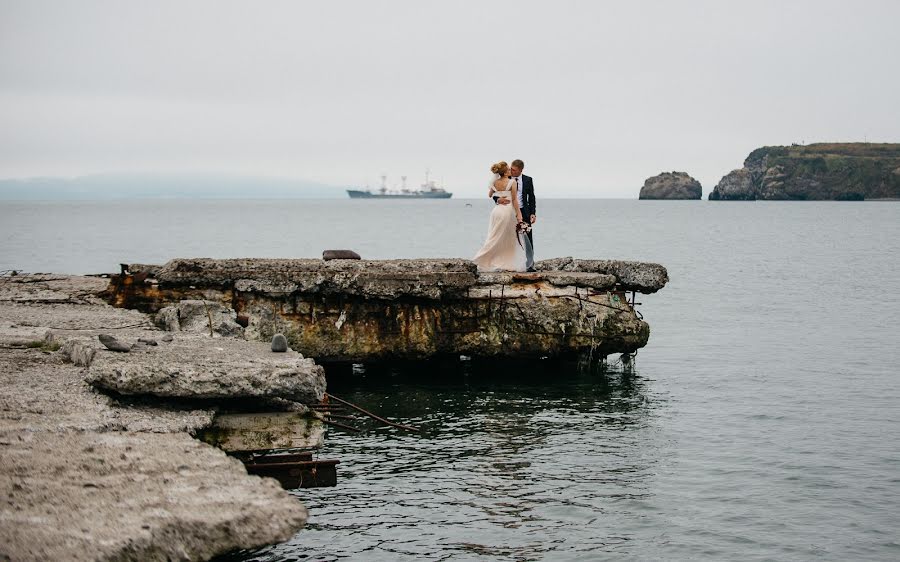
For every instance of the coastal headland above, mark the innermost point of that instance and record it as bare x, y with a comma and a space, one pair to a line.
103, 404
820, 172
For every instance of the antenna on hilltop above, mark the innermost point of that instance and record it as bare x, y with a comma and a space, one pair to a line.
403, 182
383, 181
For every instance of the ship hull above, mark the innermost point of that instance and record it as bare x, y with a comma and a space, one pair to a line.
356, 194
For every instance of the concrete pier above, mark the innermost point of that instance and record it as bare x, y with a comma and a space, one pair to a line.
374, 310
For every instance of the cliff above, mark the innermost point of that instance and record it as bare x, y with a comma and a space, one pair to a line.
671, 185
825, 171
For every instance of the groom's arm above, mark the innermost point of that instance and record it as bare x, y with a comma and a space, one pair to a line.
533, 204
500, 200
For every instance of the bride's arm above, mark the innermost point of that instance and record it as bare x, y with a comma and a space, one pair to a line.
515, 197
497, 200
492, 189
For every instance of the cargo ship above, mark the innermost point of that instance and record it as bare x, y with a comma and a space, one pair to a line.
428, 190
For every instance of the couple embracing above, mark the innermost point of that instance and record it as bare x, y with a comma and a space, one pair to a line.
509, 240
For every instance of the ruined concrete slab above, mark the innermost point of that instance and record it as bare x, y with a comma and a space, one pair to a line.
201, 317
67, 318
132, 496
372, 279
519, 320
84, 476
425, 278
599, 281
642, 277
13, 335
264, 430
348, 310
41, 391
46, 288
198, 367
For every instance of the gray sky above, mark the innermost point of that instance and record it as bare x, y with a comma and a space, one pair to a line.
594, 96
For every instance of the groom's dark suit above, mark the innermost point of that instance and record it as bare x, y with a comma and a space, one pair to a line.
529, 207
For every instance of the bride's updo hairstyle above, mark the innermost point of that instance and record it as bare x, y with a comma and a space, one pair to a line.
500, 167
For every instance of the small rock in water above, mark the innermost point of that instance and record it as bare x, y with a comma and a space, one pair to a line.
279, 343
113, 344
148, 341
168, 338
340, 255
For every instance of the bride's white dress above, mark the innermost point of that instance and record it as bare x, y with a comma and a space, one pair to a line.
501, 250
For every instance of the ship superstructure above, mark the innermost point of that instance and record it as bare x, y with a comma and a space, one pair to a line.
428, 190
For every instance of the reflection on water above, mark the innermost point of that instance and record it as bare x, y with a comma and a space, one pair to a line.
512, 463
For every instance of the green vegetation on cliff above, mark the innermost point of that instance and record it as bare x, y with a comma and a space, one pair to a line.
831, 149
825, 171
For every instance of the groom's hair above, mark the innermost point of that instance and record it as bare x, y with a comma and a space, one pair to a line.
518, 164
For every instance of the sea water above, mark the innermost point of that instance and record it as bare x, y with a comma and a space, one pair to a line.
761, 421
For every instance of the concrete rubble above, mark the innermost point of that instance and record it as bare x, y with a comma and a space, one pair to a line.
123, 495
99, 456
87, 476
197, 367
372, 310
643, 277
201, 317
432, 279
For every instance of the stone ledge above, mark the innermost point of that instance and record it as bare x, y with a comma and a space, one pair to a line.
598, 281
198, 367
132, 496
386, 279
642, 277
84, 476
391, 279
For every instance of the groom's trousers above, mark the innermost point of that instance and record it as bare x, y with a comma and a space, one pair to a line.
529, 248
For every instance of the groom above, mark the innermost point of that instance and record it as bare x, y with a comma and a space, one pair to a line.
525, 189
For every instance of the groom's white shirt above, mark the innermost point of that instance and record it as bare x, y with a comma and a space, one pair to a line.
519, 190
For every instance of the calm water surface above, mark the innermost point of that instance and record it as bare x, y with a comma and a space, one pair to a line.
760, 423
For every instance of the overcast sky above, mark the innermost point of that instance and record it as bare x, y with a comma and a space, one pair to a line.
594, 96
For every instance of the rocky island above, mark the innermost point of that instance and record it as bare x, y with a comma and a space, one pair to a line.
671, 185
823, 172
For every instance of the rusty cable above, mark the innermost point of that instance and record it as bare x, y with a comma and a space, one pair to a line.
580, 298
375, 417
341, 425
338, 416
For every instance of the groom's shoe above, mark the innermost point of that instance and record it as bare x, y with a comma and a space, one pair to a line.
531, 270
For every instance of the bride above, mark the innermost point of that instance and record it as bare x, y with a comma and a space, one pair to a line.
502, 250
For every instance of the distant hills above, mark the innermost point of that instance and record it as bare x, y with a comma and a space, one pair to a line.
164, 186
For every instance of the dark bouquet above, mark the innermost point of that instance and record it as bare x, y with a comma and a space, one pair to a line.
522, 230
